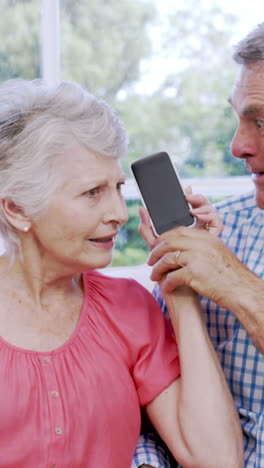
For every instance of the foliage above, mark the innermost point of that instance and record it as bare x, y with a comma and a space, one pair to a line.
188, 114
20, 28
103, 43
106, 45
130, 248
130, 256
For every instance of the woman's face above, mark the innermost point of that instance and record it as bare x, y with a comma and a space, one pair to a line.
78, 230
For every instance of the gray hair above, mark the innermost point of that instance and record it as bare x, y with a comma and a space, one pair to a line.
37, 123
251, 48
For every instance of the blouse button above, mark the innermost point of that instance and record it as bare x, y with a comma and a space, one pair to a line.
46, 359
55, 394
53, 466
58, 430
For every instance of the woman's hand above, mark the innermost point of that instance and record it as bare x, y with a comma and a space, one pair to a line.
206, 216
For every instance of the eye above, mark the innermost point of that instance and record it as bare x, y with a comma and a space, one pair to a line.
119, 186
93, 192
259, 123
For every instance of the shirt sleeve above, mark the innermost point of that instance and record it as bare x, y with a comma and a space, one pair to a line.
156, 364
139, 329
149, 452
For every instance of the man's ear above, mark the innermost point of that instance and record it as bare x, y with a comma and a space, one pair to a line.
15, 215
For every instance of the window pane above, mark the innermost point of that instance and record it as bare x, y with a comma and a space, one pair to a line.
20, 39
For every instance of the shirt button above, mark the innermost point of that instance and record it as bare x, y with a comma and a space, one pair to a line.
58, 430
55, 394
53, 466
46, 359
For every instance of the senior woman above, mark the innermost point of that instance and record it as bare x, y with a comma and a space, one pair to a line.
80, 352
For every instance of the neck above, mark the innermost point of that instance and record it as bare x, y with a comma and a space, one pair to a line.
38, 280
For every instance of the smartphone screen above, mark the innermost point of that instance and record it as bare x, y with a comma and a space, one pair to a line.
162, 192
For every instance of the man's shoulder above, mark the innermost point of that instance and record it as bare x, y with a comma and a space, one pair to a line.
240, 216
240, 205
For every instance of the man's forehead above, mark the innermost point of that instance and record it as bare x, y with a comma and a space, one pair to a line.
250, 73
248, 84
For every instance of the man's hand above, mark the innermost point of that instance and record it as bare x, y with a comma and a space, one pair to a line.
197, 259
167, 250
200, 260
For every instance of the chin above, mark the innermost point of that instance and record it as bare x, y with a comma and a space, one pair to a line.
104, 263
96, 262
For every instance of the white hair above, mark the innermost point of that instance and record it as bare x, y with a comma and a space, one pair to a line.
37, 123
251, 48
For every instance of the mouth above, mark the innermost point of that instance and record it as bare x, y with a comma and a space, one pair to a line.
104, 240
255, 175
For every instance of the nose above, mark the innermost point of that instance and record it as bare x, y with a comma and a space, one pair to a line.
116, 211
243, 143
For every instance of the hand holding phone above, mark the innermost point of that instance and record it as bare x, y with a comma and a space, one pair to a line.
161, 192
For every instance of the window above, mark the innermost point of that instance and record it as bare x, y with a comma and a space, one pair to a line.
164, 65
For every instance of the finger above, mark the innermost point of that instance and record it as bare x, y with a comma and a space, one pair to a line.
210, 223
145, 227
171, 261
207, 215
173, 280
162, 245
197, 200
180, 238
188, 191
205, 209
172, 235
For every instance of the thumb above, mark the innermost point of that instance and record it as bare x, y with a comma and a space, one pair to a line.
145, 227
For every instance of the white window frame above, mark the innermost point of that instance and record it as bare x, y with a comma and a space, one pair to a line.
50, 41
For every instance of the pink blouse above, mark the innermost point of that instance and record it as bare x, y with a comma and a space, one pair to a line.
78, 405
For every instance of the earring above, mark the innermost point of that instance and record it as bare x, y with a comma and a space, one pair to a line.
25, 228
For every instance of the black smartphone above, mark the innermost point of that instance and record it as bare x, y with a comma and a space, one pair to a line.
161, 192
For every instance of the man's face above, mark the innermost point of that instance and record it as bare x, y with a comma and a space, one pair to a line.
247, 99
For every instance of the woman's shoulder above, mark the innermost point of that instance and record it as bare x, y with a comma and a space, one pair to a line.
120, 285
119, 296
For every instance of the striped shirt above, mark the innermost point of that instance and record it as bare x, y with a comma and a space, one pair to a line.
242, 363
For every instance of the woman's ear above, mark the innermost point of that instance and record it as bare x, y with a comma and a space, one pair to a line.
15, 215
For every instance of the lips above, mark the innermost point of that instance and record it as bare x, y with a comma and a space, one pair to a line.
105, 239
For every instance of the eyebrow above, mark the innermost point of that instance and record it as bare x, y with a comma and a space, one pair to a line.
250, 110
103, 181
